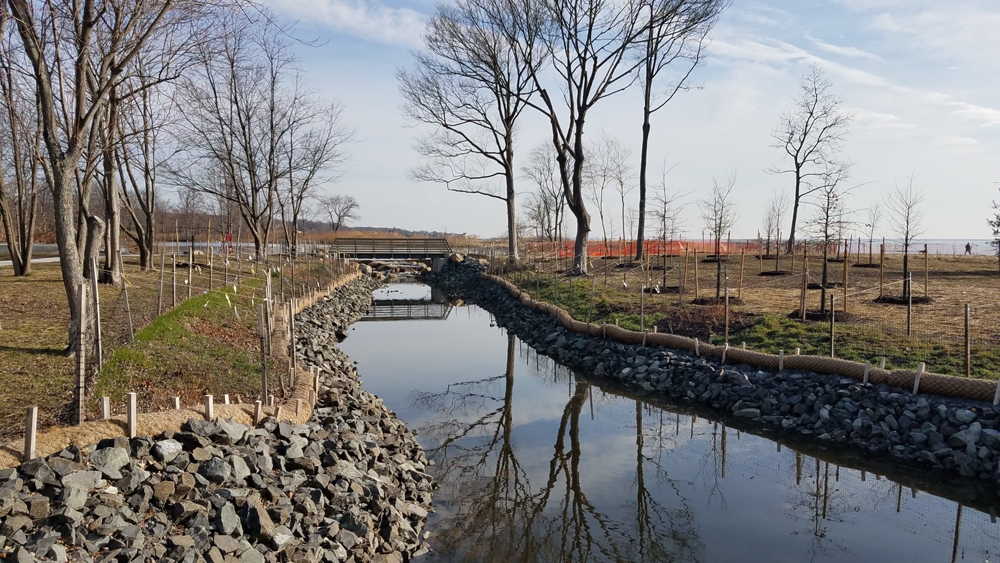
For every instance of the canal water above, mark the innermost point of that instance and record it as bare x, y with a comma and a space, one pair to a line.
536, 464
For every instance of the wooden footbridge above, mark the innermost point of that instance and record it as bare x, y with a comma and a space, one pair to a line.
392, 248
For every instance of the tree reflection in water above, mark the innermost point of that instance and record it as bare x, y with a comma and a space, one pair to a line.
490, 510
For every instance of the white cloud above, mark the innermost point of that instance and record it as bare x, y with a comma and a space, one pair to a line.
369, 19
850, 52
988, 116
877, 120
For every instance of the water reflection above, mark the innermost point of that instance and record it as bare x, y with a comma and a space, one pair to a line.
536, 464
408, 302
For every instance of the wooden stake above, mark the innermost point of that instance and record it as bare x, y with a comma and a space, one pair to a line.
105, 408
743, 257
868, 369
175, 403
190, 271
846, 254
926, 269
696, 288
98, 347
257, 409
173, 278
968, 344
81, 355
833, 316
209, 408
781, 360
133, 423
881, 269
916, 379
30, 431
128, 310
159, 294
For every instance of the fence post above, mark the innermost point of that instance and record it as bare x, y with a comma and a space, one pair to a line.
159, 292
190, 270
743, 256
696, 285
30, 430
132, 422
261, 327
727, 315
926, 268
593, 287
173, 278
128, 310
968, 344
98, 347
81, 355
846, 254
833, 316
642, 308
802, 297
909, 304
881, 269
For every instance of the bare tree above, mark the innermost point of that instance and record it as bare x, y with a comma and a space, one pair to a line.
78, 55
340, 209
667, 213
810, 135
472, 89
314, 149
607, 167
777, 206
675, 33
20, 153
718, 211
871, 225
238, 112
548, 205
994, 224
828, 201
587, 43
906, 220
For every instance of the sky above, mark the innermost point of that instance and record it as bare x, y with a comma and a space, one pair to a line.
920, 77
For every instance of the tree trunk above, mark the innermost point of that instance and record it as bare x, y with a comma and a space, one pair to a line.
112, 214
512, 255
790, 248
643, 161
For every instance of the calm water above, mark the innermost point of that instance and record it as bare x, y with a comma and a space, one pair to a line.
537, 465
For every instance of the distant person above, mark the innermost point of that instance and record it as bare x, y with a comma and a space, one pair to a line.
968, 248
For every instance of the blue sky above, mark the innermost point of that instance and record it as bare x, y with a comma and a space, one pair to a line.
921, 77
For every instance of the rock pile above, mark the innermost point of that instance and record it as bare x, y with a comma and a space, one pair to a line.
947, 436
347, 486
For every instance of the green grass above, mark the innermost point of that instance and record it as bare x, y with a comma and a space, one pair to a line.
771, 333
201, 346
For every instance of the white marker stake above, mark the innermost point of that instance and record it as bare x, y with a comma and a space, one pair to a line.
30, 429
105, 408
781, 360
916, 380
132, 422
868, 369
175, 403
209, 408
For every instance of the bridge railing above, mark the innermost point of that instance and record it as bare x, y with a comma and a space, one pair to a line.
392, 247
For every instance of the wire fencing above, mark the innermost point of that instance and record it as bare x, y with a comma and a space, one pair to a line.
876, 317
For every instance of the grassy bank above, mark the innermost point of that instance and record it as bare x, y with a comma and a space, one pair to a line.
762, 331
208, 344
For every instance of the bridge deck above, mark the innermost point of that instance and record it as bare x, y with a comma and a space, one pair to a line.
391, 248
